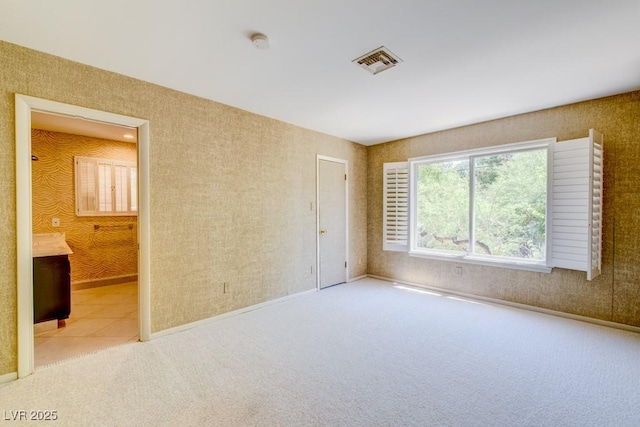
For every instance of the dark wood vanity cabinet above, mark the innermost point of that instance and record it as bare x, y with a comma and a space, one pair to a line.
51, 288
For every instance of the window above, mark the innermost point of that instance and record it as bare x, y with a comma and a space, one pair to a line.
487, 204
533, 205
442, 206
510, 202
105, 187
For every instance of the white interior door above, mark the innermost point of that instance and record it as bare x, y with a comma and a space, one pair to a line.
332, 221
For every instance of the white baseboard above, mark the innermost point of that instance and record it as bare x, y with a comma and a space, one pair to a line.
7, 378
514, 305
355, 279
208, 320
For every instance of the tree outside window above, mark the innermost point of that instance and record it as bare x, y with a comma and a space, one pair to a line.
509, 205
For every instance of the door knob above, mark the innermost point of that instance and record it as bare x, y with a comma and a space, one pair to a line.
323, 231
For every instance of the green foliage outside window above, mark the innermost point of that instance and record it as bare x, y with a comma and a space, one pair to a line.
509, 205
443, 206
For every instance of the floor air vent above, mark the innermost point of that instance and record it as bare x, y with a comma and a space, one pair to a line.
377, 60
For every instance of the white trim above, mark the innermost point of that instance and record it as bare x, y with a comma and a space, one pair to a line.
144, 233
494, 149
355, 279
413, 206
594, 321
24, 237
24, 105
472, 205
548, 226
470, 256
320, 157
222, 316
48, 106
331, 159
7, 378
478, 260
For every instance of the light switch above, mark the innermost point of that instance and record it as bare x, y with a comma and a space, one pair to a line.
55, 222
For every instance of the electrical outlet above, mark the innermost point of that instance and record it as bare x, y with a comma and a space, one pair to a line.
55, 222
458, 271
225, 288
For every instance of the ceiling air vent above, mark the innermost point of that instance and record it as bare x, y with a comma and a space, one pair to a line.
377, 60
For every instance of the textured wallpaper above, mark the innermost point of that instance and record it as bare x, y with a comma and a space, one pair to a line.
233, 199
232, 193
109, 251
613, 296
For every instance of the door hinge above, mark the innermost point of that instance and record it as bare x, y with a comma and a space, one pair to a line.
345, 264
345, 176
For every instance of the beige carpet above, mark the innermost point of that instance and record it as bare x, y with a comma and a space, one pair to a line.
361, 354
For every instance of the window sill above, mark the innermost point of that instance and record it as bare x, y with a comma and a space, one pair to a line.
470, 259
95, 213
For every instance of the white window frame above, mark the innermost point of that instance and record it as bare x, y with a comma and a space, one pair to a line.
80, 211
543, 266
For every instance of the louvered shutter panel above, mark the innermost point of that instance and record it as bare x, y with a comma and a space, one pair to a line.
577, 201
86, 182
105, 183
121, 186
595, 211
134, 188
396, 206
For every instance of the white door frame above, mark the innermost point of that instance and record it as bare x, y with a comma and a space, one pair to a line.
320, 157
24, 106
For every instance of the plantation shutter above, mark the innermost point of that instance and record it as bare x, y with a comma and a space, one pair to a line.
86, 184
134, 189
105, 199
395, 218
120, 189
105, 187
595, 237
576, 225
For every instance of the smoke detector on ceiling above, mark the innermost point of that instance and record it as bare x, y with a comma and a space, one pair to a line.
260, 41
377, 60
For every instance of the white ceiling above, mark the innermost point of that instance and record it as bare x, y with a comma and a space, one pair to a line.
465, 61
81, 126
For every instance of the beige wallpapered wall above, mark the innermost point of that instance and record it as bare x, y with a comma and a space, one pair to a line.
615, 295
110, 251
230, 193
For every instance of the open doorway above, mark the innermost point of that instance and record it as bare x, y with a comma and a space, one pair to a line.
29, 221
85, 236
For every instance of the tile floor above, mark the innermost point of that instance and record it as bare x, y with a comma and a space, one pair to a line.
100, 317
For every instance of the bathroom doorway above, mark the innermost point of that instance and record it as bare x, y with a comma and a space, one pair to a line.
105, 307
84, 194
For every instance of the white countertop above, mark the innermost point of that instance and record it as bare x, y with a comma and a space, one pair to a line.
50, 244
